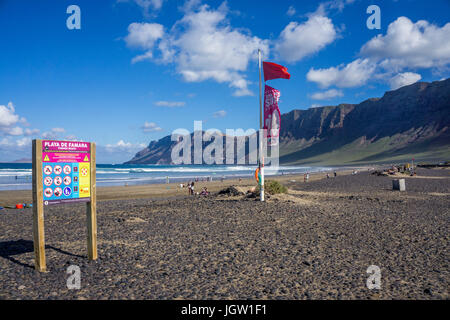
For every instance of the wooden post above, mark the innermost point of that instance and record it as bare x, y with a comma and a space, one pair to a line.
38, 208
91, 212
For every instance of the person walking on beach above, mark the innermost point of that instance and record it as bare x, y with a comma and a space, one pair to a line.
335, 174
307, 176
189, 189
328, 175
192, 188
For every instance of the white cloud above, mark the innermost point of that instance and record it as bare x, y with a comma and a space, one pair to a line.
326, 95
190, 5
147, 6
15, 131
117, 152
411, 45
11, 146
143, 36
219, 114
291, 11
404, 79
170, 104
55, 133
5, 142
24, 142
146, 56
7, 115
122, 146
209, 48
72, 137
406, 45
354, 74
31, 132
203, 46
297, 41
9, 120
150, 127
315, 105
154, 4
12, 149
59, 130
338, 5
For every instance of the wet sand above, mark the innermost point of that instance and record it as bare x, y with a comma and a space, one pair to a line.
316, 242
155, 191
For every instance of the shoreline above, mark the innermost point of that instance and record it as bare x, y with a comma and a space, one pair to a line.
163, 190
105, 179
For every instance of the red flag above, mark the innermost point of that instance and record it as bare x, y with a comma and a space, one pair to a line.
274, 71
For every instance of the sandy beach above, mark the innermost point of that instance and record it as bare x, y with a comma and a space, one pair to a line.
158, 191
315, 242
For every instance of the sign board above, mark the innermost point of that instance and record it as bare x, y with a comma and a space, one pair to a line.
63, 172
66, 171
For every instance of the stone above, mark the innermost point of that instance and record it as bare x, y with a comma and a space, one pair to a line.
232, 191
399, 184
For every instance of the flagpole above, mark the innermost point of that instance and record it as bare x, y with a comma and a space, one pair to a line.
261, 135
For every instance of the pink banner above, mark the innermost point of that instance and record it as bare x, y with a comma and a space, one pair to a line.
272, 115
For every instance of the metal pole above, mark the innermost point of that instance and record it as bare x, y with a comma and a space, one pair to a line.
261, 133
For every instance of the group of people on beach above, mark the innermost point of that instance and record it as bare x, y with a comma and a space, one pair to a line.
334, 173
306, 177
203, 179
191, 189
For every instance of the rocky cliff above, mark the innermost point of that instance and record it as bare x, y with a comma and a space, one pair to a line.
412, 121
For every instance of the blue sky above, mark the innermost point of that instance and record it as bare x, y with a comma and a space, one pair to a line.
139, 69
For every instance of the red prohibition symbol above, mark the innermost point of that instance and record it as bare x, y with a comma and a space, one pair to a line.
58, 181
67, 169
48, 181
58, 192
48, 192
57, 170
67, 180
48, 170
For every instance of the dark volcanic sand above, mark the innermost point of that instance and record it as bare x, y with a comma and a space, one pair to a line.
315, 243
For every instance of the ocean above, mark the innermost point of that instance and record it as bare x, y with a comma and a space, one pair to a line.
17, 176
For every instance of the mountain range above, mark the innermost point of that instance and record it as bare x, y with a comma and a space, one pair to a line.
410, 122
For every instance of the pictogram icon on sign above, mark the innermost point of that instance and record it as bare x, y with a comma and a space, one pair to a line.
48, 181
48, 192
86, 159
67, 180
84, 172
67, 169
48, 170
58, 181
46, 159
67, 191
58, 192
57, 170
